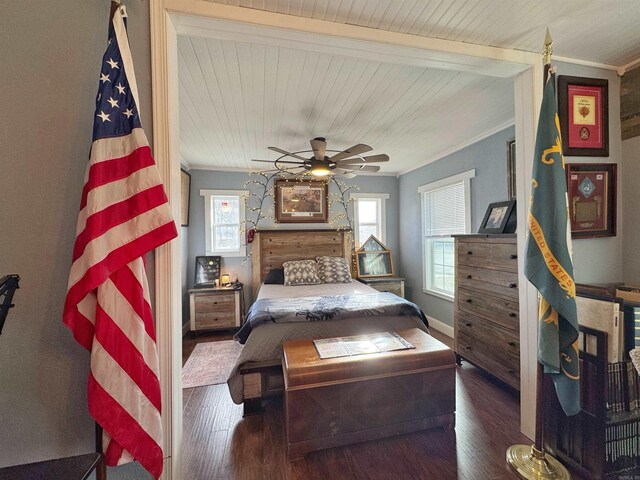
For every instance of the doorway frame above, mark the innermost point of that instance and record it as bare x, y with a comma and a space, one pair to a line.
168, 18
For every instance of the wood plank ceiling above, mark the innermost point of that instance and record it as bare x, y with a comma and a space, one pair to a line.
237, 98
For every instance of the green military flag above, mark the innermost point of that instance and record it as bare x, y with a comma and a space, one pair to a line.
548, 263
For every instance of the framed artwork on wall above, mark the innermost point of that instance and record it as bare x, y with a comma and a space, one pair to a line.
301, 201
583, 109
592, 199
511, 167
185, 190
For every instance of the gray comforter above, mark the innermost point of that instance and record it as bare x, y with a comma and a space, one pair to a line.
323, 308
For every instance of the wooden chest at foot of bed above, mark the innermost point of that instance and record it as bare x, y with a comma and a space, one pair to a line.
344, 400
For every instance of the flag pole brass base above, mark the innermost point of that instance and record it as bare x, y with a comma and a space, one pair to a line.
530, 463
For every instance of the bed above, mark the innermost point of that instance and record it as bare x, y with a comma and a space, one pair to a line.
258, 374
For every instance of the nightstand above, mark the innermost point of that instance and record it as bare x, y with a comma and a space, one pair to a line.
386, 284
215, 308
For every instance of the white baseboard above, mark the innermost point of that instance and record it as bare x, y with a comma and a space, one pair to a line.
440, 326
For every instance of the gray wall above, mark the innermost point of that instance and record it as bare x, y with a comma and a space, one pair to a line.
489, 158
221, 180
50, 53
628, 181
599, 260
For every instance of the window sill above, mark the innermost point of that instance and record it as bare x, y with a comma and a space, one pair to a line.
228, 254
444, 296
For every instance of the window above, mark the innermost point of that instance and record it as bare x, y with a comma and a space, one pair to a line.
369, 216
224, 214
445, 212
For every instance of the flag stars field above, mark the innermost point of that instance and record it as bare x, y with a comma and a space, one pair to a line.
104, 78
112, 63
120, 88
103, 116
114, 103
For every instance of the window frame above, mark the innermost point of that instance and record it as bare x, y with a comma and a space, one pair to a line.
208, 195
423, 191
380, 198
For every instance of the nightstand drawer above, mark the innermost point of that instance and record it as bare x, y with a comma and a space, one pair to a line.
389, 284
224, 302
215, 319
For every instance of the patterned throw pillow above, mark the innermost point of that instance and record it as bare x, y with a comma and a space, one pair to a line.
333, 270
300, 272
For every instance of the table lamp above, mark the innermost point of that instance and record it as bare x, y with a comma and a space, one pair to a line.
225, 279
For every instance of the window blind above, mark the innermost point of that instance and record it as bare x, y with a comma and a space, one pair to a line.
445, 211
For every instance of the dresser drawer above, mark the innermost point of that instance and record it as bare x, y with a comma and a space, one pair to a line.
496, 256
494, 282
498, 310
479, 356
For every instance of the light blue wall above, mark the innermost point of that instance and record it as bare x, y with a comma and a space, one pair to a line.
628, 181
220, 180
489, 158
600, 260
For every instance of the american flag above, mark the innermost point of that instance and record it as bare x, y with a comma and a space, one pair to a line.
124, 214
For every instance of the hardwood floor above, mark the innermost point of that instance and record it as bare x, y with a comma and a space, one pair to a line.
220, 444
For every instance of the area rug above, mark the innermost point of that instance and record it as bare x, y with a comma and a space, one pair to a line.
210, 363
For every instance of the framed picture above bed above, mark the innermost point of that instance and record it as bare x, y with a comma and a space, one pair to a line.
301, 201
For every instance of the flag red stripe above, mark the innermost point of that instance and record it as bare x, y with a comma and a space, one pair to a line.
108, 171
80, 325
123, 429
118, 258
114, 451
116, 214
117, 344
130, 288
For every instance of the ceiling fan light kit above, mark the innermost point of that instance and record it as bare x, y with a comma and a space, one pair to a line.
343, 162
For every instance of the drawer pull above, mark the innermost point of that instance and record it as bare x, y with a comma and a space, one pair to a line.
469, 252
513, 256
512, 343
468, 300
469, 277
467, 347
215, 303
513, 285
511, 370
468, 324
512, 315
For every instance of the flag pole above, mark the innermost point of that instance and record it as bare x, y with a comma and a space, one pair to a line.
531, 462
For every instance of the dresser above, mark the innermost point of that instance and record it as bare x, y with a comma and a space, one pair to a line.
486, 314
386, 284
215, 308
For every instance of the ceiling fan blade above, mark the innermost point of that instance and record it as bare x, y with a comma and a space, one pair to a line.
344, 173
371, 159
351, 151
365, 168
319, 146
284, 152
273, 161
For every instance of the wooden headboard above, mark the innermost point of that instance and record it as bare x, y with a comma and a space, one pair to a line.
271, 248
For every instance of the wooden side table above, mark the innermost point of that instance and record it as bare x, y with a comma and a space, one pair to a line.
70, 468
386, 284
215, 308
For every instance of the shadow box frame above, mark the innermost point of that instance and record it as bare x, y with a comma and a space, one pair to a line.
576, 91
573, 171
286, 215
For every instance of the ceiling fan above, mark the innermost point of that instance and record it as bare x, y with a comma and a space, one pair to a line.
345, 162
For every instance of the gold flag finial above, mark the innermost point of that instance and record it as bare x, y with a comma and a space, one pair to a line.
548, 50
